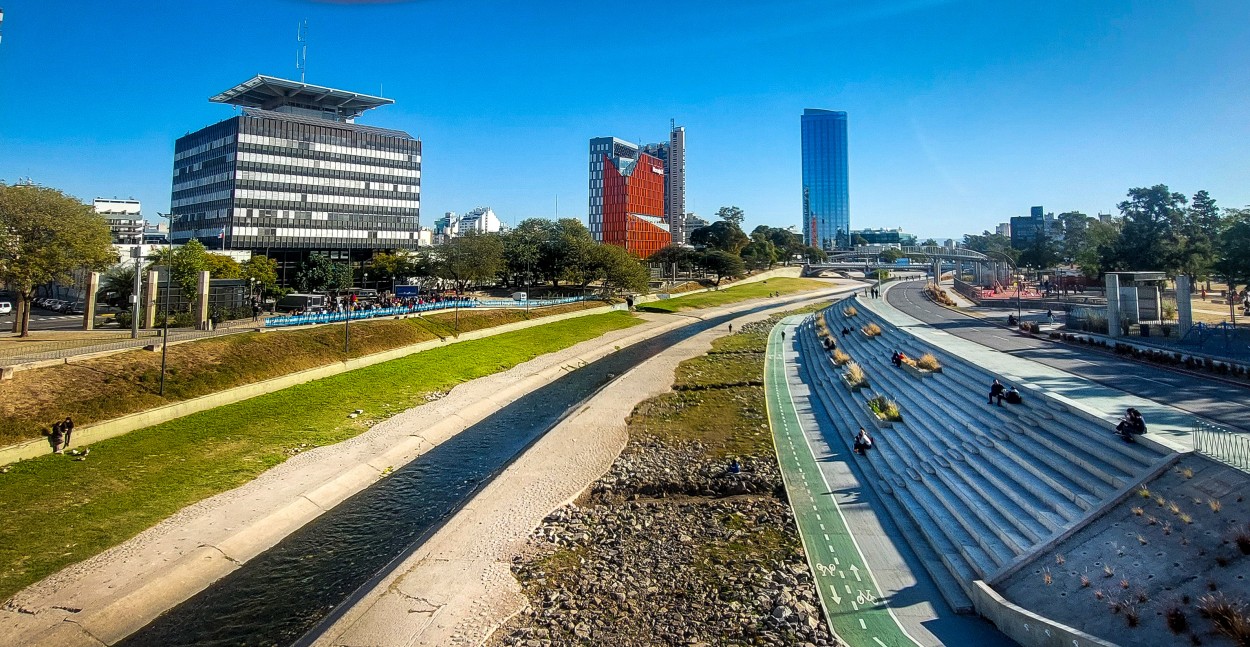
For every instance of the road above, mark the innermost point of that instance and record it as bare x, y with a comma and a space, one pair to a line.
1214, 400
41, 319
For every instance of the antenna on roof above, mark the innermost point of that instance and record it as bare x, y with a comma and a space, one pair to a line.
301, 54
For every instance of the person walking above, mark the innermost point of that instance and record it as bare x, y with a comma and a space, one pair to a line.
996, 391
255, 311
731, 328
67, 428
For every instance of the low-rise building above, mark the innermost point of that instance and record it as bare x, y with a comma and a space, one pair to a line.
125, 219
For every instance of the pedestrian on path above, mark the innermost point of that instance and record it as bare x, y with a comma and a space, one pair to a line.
863, 442
996, 391
783, 335
731, 328
67, 427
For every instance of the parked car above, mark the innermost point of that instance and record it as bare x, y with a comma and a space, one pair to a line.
5, 307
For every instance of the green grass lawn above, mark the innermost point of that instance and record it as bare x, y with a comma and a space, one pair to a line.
735, 294
57, 511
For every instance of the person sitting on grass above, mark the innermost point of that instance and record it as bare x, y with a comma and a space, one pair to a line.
863, 442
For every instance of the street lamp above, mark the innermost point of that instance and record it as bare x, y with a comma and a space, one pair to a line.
169, 278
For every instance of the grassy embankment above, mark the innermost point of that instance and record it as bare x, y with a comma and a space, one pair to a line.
108, 387
735, 294
58, 511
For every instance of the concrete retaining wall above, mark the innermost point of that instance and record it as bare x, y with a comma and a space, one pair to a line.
1026, 627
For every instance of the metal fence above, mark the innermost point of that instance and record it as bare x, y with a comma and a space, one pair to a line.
1222, 444
331, 317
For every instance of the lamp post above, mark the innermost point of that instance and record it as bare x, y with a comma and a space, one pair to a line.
169, 279
137, 253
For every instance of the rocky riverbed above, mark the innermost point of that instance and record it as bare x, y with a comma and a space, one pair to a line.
669, 547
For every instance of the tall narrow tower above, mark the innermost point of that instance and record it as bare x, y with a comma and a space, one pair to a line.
675, 195
826, 199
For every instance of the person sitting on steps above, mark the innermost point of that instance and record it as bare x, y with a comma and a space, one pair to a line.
996, 391
1013, 396
845, 331
1132, 424
1011, 320
863, 442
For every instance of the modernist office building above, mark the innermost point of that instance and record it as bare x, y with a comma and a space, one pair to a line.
293, 175
627, 197
673, 155
826, 201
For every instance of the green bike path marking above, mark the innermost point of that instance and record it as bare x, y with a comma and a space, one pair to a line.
850, 595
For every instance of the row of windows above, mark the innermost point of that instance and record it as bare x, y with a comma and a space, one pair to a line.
337, 200
301, 171
361, 210
320, 184
286, 154
356, 151
320, 166
308, 232
328, 133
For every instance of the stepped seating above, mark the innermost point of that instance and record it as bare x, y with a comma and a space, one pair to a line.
983, 485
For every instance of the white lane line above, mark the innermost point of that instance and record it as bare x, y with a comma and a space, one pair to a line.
878, 641
826, 537
861, 624
822, 526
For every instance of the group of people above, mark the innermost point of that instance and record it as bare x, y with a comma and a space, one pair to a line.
62, 432
1000, 392
863, 442
1132, 424
873, 292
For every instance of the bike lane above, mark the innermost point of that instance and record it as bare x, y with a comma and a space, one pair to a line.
851, 598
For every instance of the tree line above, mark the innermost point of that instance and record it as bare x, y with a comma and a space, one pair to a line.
1156, 229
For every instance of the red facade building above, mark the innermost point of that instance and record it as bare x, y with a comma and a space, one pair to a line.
633, 204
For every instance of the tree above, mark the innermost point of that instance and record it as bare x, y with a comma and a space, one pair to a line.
1041, 253
723, 264
319, 274
1233, 258
1075, 235
220, 266
759, 254
525, 248
1149, 239
619, 270
48, 235
471, 258
993, 245
568, 257
788, 244
684, 257
929, 242
399, 264
117, 284
1201, 230
1097, 253
814, 254
722, 235
731, 215
186, 264
858, 240
262, 271
891, 254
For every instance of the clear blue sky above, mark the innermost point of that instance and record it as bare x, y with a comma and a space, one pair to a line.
962, 114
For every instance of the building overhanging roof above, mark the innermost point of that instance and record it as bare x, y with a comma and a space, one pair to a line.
267, 93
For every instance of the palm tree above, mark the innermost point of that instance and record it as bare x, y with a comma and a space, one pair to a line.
117, 285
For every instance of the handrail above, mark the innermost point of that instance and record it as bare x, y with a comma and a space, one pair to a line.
1221, 443
332, 317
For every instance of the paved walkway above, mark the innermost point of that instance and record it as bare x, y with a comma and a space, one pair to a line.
872, 586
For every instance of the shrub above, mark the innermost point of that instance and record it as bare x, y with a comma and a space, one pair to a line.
849, 311
928, 362
840, 357
1034, 327
123, 319
1177, 622
855, 374
885, 408
871, 330
1228, 617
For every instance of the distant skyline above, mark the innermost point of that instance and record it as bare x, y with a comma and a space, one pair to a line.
962, 114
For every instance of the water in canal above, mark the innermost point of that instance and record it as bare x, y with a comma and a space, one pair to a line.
277, 597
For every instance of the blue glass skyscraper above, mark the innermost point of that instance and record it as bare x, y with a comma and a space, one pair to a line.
826, 201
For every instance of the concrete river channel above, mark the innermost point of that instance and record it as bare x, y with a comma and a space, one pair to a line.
291, 589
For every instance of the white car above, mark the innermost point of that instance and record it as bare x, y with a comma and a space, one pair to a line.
5, 307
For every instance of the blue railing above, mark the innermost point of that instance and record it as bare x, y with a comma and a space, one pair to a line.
332, 317
1221, 443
